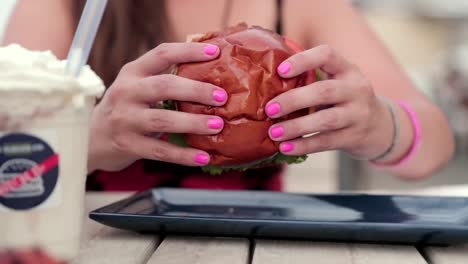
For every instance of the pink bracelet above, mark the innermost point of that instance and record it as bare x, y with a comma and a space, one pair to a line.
417, 133
416, 140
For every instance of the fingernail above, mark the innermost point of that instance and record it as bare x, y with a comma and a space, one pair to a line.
210, 50
215, 123
277, 131
273, 109
284, 67
202, 159
219, 96
286, 147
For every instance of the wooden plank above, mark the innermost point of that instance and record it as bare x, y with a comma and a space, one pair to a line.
95, 200
286, 252
385, 254
454, 190
449, 190
201, 250
103, 244
115, 246
448, 255
297, 252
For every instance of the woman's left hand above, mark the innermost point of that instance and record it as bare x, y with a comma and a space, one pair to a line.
358, 122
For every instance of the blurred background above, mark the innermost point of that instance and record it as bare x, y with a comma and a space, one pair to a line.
430, 40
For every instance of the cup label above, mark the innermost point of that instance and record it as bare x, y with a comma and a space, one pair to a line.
29, 170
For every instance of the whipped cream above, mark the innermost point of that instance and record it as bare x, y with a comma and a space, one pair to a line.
34, 84
41, 71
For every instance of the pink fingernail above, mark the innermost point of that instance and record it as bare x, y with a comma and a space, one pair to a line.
284, 67
219, 96
286, 147
277, 131
210, 50
202, 159
215, 123
273, 109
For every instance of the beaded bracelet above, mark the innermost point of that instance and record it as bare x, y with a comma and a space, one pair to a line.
417, 139
396, 133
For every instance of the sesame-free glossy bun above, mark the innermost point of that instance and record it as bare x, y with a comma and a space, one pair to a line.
246, 69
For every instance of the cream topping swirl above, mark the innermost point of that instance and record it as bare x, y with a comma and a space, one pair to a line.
40, 71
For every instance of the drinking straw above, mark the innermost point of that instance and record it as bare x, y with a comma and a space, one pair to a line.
84, 36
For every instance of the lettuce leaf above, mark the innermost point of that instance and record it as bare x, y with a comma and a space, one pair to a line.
279, 158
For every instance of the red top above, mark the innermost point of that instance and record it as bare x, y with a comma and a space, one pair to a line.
143, 175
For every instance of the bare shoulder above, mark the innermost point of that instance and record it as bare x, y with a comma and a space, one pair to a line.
42, 25
312, 22
295, 16
338, 24
211, 14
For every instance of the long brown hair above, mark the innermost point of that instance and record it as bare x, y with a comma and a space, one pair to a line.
128, 29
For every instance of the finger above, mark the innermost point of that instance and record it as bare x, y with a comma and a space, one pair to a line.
156, 120
153, 149
317, 143
323, 121
316, 94
168, 54
321, 57
171, 87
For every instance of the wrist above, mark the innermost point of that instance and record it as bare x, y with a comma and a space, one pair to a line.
92, 155
103, 156
94, 143
91, 166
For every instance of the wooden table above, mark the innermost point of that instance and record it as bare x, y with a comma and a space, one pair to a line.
103, 244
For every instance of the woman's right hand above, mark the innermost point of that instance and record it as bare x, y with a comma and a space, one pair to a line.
123, 124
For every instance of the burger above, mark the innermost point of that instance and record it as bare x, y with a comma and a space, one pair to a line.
246, 69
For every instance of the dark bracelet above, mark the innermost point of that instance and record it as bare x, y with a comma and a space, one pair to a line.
396, 132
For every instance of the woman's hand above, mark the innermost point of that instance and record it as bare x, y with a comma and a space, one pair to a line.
124, 123
358, 122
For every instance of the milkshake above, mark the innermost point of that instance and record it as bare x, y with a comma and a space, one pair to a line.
44, 124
